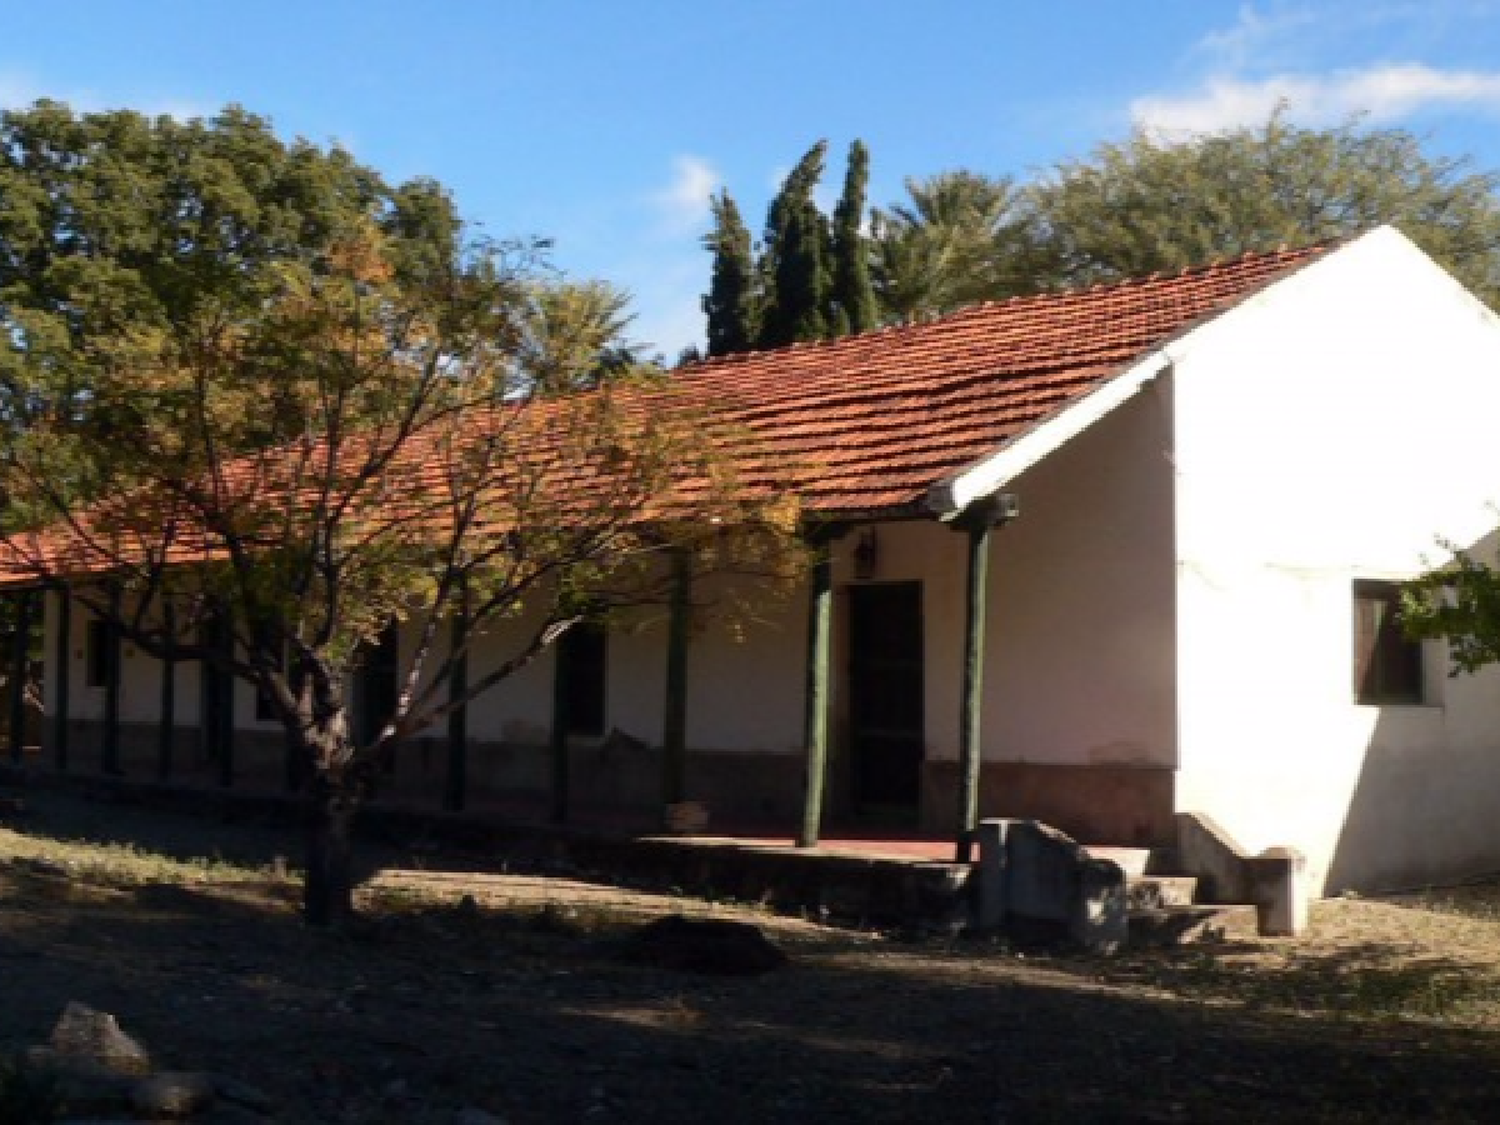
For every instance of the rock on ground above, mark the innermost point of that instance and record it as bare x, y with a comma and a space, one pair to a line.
705, 945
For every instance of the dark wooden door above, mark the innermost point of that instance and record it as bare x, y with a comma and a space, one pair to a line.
376, 687
886, 720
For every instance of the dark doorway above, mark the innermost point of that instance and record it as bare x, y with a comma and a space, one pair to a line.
216, 701
376, 687
886, 727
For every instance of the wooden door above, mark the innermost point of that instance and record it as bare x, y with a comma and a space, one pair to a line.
886, 713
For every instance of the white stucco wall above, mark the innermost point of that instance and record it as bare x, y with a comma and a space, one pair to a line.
1081, 625
744, 693
140, 678
1330, 429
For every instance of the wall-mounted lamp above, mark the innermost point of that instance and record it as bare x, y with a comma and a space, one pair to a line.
866, 555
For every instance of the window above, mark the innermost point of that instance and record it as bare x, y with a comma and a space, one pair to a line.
582, 660
99, 653
1387, 666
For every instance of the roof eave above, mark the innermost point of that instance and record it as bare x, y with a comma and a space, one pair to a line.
950, 496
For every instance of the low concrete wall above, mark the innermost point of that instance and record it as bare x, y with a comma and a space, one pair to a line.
1102, 804
612, 775
1275, 881
916, 895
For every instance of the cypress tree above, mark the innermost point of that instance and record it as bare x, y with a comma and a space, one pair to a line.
853, 307
729, 303
793, 265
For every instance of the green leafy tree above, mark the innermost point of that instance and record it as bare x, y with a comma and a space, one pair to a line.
1147, 204
852, 298
113, 224
1460, 603
794, 259
340, 415
731, 302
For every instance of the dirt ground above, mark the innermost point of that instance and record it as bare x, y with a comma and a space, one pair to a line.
525, 1009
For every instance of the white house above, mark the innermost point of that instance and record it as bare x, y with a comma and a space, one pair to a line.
1219, 476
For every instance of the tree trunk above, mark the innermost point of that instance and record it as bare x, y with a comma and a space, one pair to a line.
328, 893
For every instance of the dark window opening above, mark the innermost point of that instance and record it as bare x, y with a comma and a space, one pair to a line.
99, 653
1387, 665
583, 665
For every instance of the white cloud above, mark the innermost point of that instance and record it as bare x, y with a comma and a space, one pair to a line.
684, 202
1253, 33
1382, 94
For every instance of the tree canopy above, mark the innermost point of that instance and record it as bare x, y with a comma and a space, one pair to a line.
114, 225
294, 415
730, 304
851, 296
1149, 204
809, 279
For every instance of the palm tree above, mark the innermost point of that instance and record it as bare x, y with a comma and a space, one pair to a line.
572, 334
959, 239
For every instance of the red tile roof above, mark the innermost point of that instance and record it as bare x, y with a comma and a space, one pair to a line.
869, 422
862, 425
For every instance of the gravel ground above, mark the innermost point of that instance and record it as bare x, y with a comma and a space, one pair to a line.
522, 1005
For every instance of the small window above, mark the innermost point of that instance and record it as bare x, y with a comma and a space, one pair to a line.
99, 653
582, 656
1387, 665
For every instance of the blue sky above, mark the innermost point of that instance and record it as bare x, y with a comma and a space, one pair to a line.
604, 125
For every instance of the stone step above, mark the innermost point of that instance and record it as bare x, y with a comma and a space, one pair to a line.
1181, 925
1147, 892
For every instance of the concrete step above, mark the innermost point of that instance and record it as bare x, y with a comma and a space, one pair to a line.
1181, 925
1132, 861
1150, 891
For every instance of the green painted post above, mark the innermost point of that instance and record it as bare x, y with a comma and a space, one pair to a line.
674, 722
20, 652
973, 684
226, 709
112, 654
455, 785
562, 774
110, 752
815, 726
62, 670
167, 731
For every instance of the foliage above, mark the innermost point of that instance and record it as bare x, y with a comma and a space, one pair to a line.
1460, 603
367, 430
852, 298
572, 335
794, 259
811, 277
114, 225
959, 239
1149, 204
730, 304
